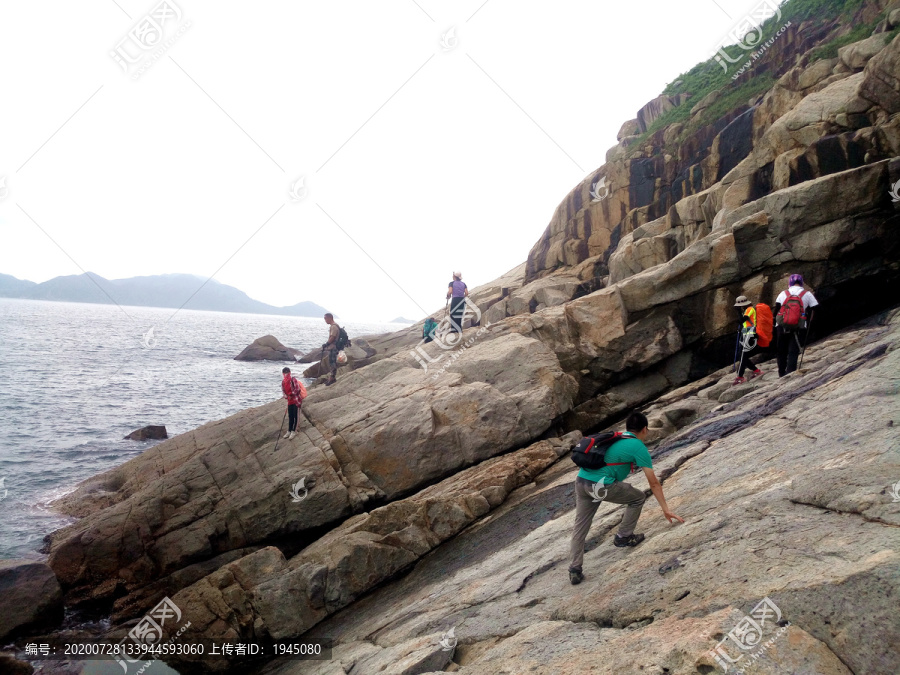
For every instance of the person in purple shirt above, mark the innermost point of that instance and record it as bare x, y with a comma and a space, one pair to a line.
457, 291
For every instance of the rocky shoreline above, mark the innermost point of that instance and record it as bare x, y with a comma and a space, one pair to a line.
428, 490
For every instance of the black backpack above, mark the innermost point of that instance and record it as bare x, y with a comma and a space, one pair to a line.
343, 340
590, 453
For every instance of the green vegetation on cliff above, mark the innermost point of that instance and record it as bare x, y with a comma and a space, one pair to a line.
709, 76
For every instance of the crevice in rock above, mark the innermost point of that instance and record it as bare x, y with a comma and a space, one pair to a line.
726, 425
847, 513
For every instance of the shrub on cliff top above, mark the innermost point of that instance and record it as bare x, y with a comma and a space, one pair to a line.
708, 76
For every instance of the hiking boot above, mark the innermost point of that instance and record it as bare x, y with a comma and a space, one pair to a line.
738, 380
291, 437
286, 434
755, 373
575, 577
632, 540
330, 381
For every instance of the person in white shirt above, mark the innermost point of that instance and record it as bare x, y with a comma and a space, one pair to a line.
790, 334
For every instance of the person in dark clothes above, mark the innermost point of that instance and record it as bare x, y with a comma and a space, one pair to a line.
457, 291
789, 340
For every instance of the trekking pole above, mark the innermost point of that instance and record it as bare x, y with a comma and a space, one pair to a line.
279, 430
805, 341
737, 346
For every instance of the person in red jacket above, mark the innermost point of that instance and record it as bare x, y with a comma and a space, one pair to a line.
290, 387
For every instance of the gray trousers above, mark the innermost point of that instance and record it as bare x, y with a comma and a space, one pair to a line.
586, 506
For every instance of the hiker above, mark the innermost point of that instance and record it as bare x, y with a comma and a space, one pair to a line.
330, 351
621, 457
794, 313
457, 292
747, 339
294, 391
428, 330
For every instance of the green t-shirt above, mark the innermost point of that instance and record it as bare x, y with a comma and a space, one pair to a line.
630, 450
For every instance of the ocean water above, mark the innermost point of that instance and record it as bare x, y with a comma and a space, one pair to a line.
76, 378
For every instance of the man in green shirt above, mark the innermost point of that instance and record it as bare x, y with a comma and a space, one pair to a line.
593, 486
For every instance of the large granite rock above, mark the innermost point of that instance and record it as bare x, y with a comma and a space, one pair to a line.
785, 493
267, 348
30, 597
379, 433
265, 596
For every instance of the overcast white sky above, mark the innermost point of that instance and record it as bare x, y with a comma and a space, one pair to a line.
430, 159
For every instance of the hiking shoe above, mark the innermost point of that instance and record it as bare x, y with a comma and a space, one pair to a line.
738, 380
286, 434
632, 540
291, 437
330, 382
755, 373
575, 577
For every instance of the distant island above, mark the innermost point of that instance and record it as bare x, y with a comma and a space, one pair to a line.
162, 290
400, 319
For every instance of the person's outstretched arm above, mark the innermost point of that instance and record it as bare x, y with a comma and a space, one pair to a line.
656, 489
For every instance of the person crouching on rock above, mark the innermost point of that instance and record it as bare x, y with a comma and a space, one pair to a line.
748, 339
291, 389
593, 486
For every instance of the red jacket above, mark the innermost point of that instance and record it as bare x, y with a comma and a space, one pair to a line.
291, 389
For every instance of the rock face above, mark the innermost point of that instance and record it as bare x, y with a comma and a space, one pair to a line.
267, 348
151, 432
773, 488
433, 465
30, 597
263, 595
377, 434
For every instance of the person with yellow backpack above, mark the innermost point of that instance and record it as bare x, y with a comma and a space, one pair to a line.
755, 335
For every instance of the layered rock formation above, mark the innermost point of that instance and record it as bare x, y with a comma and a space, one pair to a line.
440, 456
786, 494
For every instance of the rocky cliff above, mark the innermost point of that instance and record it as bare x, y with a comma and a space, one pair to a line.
440, 486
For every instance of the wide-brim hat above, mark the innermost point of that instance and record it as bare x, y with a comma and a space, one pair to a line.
742, 301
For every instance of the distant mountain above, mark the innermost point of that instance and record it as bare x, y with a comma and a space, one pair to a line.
164, 290
400, 319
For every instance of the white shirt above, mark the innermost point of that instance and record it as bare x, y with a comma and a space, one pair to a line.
809, 300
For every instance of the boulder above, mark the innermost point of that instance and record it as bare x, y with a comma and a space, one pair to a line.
150, 432
30, 598
881, 78
855, 56
629, 128
267, 348
651, 111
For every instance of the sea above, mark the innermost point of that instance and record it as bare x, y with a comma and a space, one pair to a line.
76, 378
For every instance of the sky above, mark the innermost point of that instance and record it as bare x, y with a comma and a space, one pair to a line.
349, 153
